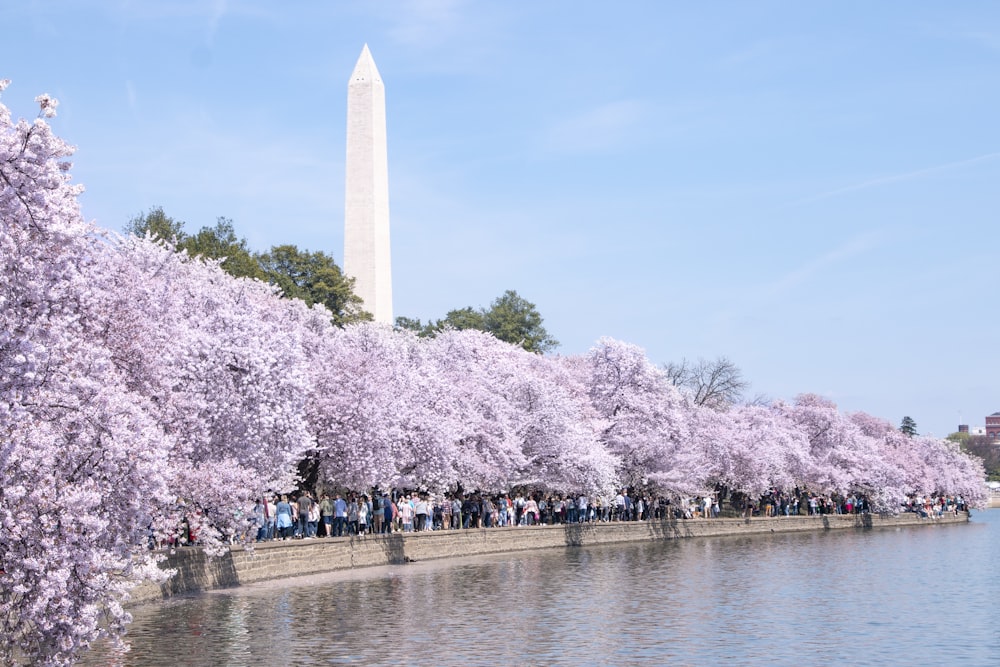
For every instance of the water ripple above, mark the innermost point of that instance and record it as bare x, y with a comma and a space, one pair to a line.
920, 596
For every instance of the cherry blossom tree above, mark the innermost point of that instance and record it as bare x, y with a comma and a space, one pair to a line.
81, 460
644, 417
221, 361
952, 470
525, 422
918, 465
840, 454
135, 384
752, 449
898, 469
558, 429
462, 408
482, 370
379, 416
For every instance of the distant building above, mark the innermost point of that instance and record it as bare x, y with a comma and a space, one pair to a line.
993, 426
972, 430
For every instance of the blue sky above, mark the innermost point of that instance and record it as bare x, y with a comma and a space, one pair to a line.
810, 189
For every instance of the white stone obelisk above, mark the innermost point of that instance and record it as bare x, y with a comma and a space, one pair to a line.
366, 200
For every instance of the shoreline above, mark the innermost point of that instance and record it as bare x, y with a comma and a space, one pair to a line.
284, 560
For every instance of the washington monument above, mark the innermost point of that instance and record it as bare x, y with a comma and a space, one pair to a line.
366, 200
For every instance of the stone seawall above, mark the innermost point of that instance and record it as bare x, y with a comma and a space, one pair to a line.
278, 560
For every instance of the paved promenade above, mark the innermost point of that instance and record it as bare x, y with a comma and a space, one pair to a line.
277, 560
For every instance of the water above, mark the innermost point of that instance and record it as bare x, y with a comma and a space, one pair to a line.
914, 596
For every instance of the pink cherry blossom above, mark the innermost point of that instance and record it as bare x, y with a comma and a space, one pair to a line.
82, 460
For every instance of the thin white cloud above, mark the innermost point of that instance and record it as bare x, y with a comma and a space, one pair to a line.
755, 52
982, 34
191, 11
755, 297
894, 178
218, 12
600, 129
986, 39
425, 22
130, 95
432, 32
806, 272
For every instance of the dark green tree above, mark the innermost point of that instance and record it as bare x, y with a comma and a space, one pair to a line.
311, 276
509, 318
221, 242
410, 324
514, 319
315, 278
908, 426
157, 224
218, 242
985, 448
462, 318
962, 438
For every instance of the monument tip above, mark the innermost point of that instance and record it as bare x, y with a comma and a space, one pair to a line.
365, 69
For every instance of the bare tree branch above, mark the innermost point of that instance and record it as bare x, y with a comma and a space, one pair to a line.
716, 383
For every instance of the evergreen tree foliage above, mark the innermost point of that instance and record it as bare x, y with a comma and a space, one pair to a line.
313, 277
510, 318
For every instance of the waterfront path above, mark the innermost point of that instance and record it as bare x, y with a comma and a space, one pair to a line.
278, 560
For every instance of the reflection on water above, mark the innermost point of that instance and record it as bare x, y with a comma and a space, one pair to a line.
908, 596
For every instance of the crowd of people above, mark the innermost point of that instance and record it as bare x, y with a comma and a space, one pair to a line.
306, 515
280, 517
931, 507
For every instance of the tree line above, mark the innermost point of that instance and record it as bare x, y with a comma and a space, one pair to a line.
315, 277
312, 276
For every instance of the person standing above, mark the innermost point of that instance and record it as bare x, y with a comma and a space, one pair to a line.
313, 524
446, 512
339, 515
466, 511
420, 510
378, 511
406, 514
530, 511
352, 515
305, 503
283, 511
487, 512
326, 514
364, 510
388, 514
259, 520
270, 514
456, 512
